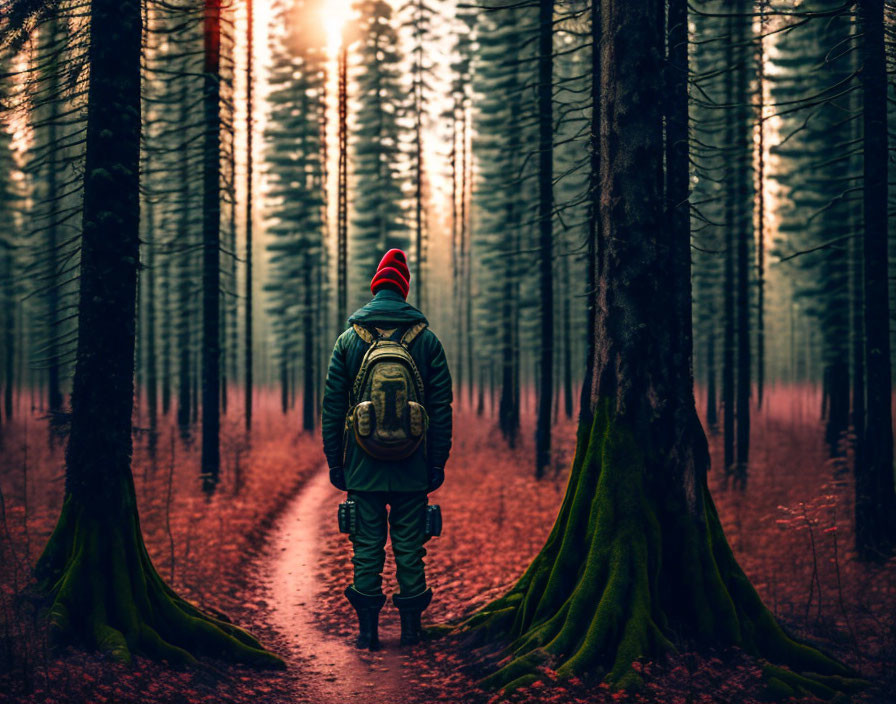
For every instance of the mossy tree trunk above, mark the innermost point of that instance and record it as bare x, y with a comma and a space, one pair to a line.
637, 552
105, 591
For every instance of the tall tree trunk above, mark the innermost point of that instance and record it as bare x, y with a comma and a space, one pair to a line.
567, 337
546, 232
195, 374
7, 257
712, 415
492, 386
857, 307
418, 160
53, 198
152, 381
593, 251
167, 330
875, 499
509, 409
104, 589
184, 303
637, 552
342, 195
837, 393
456, 300
742, 114
480, 401
760, 207
728, 283
308, 398
506, 410
250, 106
211, 244
284, 382
857, 295
467, 257
231, 334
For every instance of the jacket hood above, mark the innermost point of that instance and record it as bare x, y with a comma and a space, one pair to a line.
387, 307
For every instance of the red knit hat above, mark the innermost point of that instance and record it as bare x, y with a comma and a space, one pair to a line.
392, 273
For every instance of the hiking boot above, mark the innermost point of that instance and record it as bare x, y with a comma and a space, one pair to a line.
368, 607
410, 608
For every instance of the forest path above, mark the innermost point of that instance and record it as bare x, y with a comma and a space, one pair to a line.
331, 669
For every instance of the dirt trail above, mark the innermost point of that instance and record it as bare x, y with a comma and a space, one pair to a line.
332, 670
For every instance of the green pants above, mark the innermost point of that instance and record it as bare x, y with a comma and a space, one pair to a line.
405, 524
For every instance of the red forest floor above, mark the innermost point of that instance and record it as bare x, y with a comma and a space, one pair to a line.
266, 551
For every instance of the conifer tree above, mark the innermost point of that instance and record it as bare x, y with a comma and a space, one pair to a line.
10, 206
103, 587
295, 165
502, 196
378, 220
818, 171
637, 556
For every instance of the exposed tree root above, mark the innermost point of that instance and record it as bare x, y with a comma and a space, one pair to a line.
106, 594
624, 567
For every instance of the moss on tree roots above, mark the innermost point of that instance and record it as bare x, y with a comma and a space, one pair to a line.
625, 566
105, 593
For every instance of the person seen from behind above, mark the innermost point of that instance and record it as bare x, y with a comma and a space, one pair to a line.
386, 426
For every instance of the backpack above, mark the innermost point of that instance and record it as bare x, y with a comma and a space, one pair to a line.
385, 410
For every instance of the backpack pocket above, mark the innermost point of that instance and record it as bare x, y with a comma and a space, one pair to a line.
418, 421
363, 418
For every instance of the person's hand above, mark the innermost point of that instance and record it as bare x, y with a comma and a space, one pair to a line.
337, 478
436, 477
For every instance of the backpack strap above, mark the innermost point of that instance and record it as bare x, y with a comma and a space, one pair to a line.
411, 333
407, 337
363, 333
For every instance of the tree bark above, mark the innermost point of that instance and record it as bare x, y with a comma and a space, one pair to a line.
53, 44
308, 398
729, 283
467, 258
837, 418
250, 126
184, 303
857, 307
166, 332
592, 253
712, 414
760, 207
7, 258
152, 380
637, 553
741, 210
546, 233
509, 407
211, 243
342, 195
456, 299
95, 567
419, 107
875, 498
567, 339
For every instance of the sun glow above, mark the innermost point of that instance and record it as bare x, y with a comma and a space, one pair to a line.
334, 15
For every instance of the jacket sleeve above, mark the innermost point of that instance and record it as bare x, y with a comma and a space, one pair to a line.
335, 404
438, 405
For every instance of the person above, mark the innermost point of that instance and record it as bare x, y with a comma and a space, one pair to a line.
374, 483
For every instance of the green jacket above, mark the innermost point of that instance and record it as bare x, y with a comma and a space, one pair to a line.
363, 472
